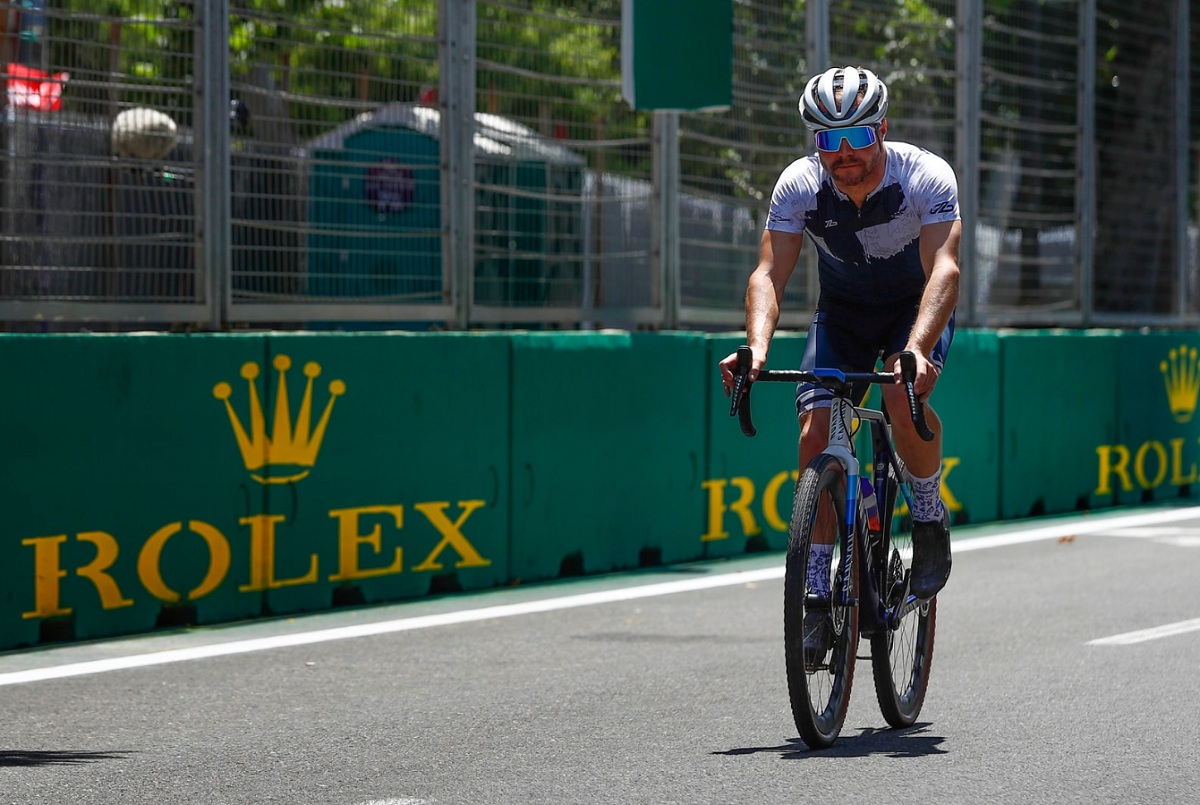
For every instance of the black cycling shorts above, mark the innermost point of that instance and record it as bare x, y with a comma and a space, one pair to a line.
853, 337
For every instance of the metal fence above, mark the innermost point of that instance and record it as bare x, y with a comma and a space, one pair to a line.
471, 163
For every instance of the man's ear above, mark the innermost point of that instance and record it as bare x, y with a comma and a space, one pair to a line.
883, 128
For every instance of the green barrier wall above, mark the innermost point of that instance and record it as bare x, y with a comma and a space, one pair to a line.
410, 492
1156, 449
968, 403
1050, 424
155, 480
607, 435
113, 496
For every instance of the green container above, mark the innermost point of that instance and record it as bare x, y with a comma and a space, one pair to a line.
375, 210
377, 220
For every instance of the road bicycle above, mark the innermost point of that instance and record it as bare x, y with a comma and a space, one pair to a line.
867, 592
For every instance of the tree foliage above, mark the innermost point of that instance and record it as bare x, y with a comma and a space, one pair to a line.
554, 66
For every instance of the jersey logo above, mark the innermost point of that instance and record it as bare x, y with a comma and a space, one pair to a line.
945, 206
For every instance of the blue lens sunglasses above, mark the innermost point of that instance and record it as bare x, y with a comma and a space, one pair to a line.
858, 136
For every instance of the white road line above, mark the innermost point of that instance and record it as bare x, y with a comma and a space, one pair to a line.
386, 627
147, 659
1076, 528
1129, 638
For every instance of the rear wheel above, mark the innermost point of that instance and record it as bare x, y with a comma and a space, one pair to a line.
819, 678
901, 658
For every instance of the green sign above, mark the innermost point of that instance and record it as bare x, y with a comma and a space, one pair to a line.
677, 54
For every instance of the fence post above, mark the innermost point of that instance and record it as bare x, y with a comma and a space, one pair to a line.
664, 225
1085, 229
212, 155
817, 36
969, 67
456, 103
1182, 120
817, 52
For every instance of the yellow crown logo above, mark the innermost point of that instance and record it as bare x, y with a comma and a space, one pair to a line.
1181, 373
291, 446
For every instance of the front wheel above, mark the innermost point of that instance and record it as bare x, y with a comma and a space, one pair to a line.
820, 635
901, 658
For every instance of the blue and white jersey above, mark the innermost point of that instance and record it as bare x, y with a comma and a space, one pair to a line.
869, 255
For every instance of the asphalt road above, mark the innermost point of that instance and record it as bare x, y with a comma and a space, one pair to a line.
664, 687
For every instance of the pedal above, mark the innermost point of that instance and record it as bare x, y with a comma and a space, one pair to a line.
899, 591
902, 599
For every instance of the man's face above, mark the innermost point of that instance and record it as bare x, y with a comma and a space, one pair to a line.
852, 167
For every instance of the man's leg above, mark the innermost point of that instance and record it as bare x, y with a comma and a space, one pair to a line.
931, 534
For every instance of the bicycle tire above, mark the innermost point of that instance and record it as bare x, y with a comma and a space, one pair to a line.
901, 659
818, 686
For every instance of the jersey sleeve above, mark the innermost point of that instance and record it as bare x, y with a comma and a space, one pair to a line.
939, 191
789, 200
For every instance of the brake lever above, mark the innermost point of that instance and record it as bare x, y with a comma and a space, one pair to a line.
916, 409
740, 405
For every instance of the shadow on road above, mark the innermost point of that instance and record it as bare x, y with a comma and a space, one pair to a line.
912, 741
68, 757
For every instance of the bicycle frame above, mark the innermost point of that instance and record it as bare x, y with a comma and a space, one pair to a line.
859, 538
869, 543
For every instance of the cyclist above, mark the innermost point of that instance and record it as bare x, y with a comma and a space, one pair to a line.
884, 219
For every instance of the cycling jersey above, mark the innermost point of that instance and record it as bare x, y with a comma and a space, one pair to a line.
869, 255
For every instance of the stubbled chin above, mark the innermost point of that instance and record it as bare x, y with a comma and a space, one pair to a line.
850, 174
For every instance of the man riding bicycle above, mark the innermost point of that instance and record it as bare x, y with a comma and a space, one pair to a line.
885, 222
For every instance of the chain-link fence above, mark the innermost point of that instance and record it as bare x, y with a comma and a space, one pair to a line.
728, 165
97, 207
471, 163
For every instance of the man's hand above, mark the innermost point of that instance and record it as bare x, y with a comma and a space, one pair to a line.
927, 373
729, 366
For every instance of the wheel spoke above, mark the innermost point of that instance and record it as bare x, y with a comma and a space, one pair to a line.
901, 658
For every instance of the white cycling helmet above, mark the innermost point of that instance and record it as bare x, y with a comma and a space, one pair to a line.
820, 108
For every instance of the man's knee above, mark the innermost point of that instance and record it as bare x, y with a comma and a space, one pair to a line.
814, 429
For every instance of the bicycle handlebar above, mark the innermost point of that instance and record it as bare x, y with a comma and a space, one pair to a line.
833, 379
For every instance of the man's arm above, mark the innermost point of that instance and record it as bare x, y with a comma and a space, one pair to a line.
939, 258
764, 293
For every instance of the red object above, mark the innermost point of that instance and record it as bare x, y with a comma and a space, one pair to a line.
30, 88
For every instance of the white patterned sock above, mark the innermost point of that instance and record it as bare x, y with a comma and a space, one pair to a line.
819, 559
927, 501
